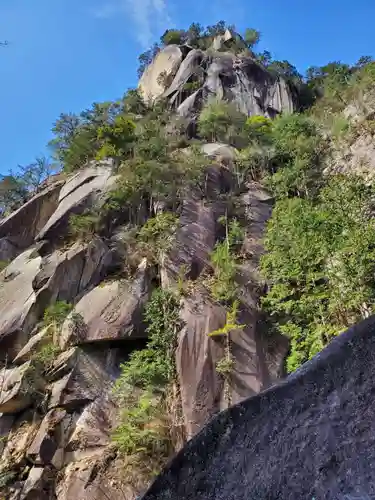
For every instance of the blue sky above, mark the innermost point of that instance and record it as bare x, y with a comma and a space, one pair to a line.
65, 54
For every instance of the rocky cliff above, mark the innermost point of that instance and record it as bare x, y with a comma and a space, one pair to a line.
57, 419
309, 437
188, 77
184, 251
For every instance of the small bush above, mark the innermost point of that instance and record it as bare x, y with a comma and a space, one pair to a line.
84, 226
142, 430
142, 387
56, 313
220, 121
257, 127
223, 260
172, 37
156, 236
231, 322
47, 353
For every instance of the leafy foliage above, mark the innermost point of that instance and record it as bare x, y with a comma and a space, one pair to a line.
141, 388
251, 37
320, 264
223, 260
84, 226
299, 151
156, 236
142, 430
220, 121
56, 313
258, 127
231, 322
13, 194
173, 37
116, 138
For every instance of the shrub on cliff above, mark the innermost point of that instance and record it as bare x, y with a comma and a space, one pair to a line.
320, 264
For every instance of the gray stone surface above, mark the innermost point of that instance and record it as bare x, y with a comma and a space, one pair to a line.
81, 191
311, 436
82, 377
195, 239
65, 274
18, 308
201, 386
167, 61
220, 40
218, 150
38, 485
22, 226
18, 387
189, 67
8, 250
111, 311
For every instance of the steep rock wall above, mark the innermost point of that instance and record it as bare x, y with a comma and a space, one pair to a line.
312, 436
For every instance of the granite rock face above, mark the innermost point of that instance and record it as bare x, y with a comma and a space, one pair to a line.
111, 311
56, 399
21, 227
81, 191
193, 76
311, 436
166, 62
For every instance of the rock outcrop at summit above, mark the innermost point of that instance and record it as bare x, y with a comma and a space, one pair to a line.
311, 436
192, 76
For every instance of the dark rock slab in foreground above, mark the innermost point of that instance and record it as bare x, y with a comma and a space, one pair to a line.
310, 437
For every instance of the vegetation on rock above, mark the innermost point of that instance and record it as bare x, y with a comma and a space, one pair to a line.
142, 388
319, 265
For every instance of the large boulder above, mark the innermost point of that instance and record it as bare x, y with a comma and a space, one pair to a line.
81, 191
165, 64
311, 436
24, 428
110, 312
18, 230
18, 307
66, 274
30, 283
39, 484
81, 376
92, 429
249, 85
35, 343
223, 75
18, 388
51, 438
220, 40
190, 66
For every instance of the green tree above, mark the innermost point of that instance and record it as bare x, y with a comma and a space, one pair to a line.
216, 29
265, 57
258, 127
36, 172
320, 264
171, 37
146, 58
298, 159
116, 138
220, 121
13, 193
286, 70
194, 34
133, 104
251, 37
